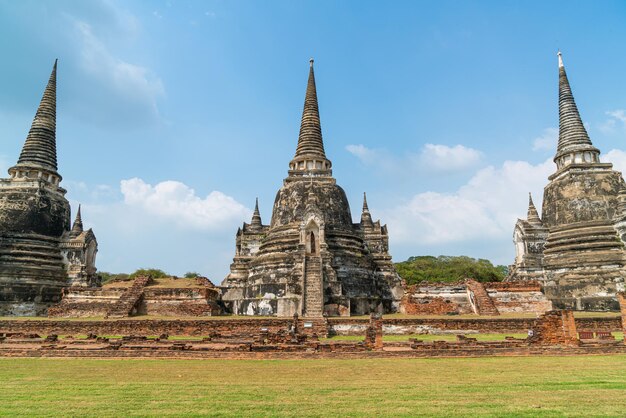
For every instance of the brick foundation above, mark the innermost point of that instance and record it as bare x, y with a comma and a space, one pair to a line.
621, 297
556, 327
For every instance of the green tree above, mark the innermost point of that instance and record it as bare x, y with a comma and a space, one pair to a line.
449, 269
191, 275
155, 273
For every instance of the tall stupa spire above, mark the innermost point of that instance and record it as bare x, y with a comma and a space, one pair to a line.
310, 139
39, 151
573, 136
310, 158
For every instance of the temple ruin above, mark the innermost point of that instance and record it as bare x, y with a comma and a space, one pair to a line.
576, 249
39, 254
311, 259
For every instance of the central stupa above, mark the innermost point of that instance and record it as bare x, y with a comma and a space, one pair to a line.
312, 259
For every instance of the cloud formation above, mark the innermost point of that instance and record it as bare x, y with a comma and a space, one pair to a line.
129, 86
176, 202
445, 158
547, 140
617, 158
434, 157
487, 206
616, 117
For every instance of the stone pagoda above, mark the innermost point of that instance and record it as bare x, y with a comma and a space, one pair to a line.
577, 248
529, 237
34, 218
311, 259
79, 248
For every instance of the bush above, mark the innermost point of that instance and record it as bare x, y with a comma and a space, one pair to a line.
191, 275
449, 269
155, 273
112, 277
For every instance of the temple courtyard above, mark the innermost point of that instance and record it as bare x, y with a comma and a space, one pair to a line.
515, 386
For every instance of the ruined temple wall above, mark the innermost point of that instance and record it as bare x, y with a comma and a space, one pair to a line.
508, 297
336, 326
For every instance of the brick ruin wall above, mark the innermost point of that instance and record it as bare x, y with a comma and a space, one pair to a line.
555, 328
444, 298
90, 302
621, 297
332, 326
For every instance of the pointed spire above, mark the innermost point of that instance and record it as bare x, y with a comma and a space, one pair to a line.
77, 228
310, 141
365, 207
366, 217
39, 151
572, 133
256, 216
533, 215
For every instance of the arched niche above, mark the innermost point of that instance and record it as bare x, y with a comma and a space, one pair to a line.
312, 236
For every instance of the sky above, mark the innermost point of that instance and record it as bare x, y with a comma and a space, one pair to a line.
173, 116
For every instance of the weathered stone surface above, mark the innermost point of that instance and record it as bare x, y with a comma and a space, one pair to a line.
455, 298
143, 297
38, 251
581, 260
312, 259
79, 249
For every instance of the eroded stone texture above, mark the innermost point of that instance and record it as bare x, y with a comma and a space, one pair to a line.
582, 264
456, 298
144, 296
35, 220
79, 249
312, 259
34, 214
529, 237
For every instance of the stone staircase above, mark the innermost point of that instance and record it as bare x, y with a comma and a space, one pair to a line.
313, 296
125, 305
481, 302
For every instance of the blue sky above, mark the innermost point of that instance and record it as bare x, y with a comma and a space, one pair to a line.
174, 115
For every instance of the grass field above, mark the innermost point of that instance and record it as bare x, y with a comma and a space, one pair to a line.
516, 386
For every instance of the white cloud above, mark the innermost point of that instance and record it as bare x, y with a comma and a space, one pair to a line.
445, 158
366, 155
486, 207
547, 140
435, 157
615, 116
617, 157
127, 79
130, 84
174, 201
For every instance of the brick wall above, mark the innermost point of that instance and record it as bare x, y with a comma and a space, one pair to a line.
621, 297
340, 326
556, 327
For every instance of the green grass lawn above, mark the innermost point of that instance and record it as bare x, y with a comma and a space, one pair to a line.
516, 386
